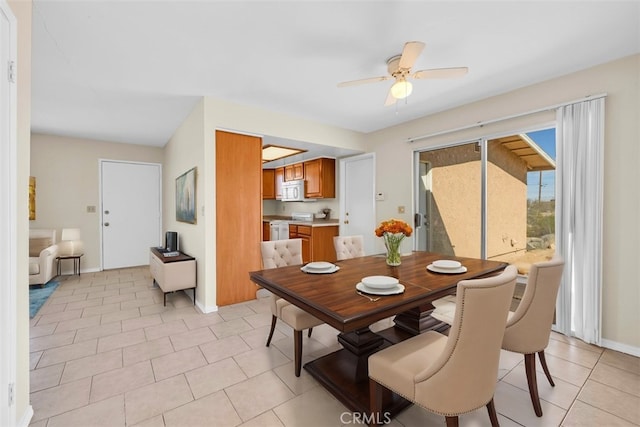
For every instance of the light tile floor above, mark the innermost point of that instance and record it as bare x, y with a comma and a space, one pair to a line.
106, 352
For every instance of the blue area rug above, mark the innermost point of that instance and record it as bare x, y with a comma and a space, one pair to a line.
38, 296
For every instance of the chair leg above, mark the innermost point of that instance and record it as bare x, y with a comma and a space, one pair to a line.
452, 421
530, 368
375, 402
274, 319
297, 344
493, 416
543, 362
310, 330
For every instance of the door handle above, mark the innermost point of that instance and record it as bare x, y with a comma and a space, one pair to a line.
416, 219
106, 224
346, 221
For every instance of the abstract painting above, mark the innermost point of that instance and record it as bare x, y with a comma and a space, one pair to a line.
32, 198
186, 197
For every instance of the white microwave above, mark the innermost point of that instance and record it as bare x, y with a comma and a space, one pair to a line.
293, 191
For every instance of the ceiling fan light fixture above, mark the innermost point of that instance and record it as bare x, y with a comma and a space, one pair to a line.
401, 89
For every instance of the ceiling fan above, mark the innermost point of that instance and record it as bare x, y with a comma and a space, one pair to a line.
399, 68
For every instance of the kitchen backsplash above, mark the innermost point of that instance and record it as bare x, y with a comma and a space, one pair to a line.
276, 207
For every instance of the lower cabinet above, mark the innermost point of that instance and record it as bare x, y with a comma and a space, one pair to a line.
317, 242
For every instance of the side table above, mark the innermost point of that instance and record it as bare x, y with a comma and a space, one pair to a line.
76, 263
173, 273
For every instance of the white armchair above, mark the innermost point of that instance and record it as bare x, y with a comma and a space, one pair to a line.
43, 251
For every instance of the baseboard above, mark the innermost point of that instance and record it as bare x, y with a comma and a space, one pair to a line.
622, 348
206, 310
82, 271
25, 419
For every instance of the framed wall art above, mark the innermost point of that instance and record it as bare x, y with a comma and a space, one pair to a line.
32, 198
186, 197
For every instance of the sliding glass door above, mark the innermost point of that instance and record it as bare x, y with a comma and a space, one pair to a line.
449, 200
491, 198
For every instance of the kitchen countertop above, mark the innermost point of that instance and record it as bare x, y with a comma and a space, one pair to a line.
315, 223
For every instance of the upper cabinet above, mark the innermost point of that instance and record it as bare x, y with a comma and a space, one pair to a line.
268, 184
279, 179
294, 172
320, 175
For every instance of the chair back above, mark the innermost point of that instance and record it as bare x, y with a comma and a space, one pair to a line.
463, 377
281, 253
348, 247
529, 327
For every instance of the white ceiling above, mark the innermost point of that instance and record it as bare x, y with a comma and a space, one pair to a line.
131, 71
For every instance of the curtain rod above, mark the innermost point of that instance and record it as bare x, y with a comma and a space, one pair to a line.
501, 119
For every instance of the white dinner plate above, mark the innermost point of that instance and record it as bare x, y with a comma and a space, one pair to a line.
398, 289
379, 282
311, 271
462, 269
447, 264
320, 266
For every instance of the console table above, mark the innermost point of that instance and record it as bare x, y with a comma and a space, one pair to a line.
173, 273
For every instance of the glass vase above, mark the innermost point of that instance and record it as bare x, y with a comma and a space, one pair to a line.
392, 243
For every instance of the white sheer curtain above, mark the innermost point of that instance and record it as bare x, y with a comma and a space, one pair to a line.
579, 192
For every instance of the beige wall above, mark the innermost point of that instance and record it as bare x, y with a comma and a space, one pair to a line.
184, 151
22, 10
621, 81
68, 180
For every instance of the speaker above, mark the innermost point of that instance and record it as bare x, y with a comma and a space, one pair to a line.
171, 241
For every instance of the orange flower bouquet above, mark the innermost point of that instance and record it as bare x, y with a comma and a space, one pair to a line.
393, 231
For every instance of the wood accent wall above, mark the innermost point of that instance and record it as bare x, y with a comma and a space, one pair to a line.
238, 215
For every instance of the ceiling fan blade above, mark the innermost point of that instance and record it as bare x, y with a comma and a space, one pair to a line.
363, 81
390, 99
440, 73
410, 53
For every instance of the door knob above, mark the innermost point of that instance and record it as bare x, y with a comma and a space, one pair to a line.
106, 212
106, 224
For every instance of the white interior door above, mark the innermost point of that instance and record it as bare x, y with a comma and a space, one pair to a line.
131, 212
357, 177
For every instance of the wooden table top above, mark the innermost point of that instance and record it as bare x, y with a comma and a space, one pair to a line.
333, 298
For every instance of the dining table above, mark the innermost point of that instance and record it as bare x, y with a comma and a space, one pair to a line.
334, 299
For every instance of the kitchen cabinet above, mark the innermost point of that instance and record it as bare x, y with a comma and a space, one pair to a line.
294, 172
279, 179
266, 231
302, 232
320, 175
268, 184
317, 242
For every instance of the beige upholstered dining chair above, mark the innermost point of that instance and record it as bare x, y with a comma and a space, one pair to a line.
348, 247
450, 375
281, 253
529, 327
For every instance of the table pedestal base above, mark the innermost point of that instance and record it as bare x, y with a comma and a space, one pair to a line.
345, 373
337, 371
419, 320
